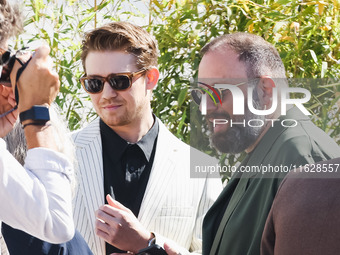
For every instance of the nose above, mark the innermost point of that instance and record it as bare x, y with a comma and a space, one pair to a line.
108, 91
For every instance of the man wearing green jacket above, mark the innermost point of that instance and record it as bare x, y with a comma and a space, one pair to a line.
276, 137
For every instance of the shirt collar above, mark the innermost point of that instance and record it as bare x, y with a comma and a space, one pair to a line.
146, 143
148, 140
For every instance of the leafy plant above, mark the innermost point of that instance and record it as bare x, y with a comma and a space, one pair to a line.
306, 33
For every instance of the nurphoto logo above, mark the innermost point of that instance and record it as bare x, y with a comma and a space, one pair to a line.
280, 95
238, 99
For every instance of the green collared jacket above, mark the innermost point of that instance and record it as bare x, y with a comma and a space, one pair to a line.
245, 213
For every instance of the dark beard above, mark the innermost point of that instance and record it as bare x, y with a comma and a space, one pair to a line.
236, 138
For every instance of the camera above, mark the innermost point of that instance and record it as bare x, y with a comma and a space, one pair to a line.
7, 60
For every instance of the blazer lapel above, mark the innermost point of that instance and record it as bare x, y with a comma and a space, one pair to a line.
269, 139
160, 178
90, 160
235, 199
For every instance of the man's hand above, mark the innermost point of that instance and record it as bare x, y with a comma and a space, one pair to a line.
118, 226
170, 249
7, 102
38, 84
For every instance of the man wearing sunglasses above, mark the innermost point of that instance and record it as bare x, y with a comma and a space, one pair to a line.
129, 155
37, 197
234, 224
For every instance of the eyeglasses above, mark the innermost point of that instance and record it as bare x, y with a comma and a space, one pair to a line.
118, 81
216, 94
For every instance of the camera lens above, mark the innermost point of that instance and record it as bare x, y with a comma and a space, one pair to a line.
6, 64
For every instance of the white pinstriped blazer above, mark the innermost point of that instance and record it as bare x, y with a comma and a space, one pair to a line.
174, 204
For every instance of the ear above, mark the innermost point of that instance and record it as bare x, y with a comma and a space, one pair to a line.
265, 90
152, 76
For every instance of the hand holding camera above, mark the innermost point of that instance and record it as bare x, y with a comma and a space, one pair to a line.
32, 80
37, 84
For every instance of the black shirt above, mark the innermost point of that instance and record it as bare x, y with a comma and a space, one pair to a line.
127, 167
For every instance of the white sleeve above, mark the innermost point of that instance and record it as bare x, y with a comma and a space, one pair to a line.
37, 198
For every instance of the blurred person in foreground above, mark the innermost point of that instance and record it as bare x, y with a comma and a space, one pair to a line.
304, 218
274, 136
18, 242
127, 155
35, 198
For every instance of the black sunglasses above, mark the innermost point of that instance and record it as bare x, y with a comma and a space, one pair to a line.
216, 94
94, 84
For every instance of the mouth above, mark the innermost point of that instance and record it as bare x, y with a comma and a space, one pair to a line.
112, 107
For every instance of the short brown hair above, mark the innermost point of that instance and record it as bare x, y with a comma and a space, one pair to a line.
10, 20
122, 36
259, 56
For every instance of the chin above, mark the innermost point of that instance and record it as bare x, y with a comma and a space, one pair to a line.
234, 140
114, 120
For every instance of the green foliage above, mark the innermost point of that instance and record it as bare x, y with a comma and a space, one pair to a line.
306, 33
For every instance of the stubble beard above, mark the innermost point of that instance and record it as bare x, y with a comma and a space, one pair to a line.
124, 118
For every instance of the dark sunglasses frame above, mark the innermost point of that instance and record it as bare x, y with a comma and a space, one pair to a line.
107, 79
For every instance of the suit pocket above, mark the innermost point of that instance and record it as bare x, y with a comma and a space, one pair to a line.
176, 223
